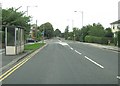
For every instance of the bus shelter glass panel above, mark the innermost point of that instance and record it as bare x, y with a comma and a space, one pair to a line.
10, 36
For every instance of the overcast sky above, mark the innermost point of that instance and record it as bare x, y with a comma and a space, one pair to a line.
60, 13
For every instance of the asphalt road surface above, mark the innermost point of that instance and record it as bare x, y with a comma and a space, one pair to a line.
67, 62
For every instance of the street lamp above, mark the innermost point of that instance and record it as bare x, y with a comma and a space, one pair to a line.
82, 16
36, 19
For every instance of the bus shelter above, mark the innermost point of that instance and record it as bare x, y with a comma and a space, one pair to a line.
14, 40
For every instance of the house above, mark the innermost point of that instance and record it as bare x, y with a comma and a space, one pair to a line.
32, 31
115, 26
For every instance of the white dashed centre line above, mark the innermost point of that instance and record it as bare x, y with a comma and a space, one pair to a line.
84, 56
94, 62
71, 48
78, 52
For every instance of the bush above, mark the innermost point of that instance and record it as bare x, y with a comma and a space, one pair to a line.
99, 40
104, 40
89, 39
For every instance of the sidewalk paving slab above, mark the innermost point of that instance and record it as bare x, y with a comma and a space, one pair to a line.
114, 48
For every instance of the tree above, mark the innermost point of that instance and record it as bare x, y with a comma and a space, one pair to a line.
70, 36
108, 32
12, 17
48, 30
66, 32
97, 30
76, 33
57, 32
84, 32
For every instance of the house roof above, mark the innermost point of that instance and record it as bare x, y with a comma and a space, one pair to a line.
116, 22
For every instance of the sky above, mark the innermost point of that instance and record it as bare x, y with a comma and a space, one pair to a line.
60, 13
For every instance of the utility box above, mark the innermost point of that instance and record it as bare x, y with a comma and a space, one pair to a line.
14, 40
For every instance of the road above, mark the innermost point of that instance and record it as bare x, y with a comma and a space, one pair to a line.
67, 62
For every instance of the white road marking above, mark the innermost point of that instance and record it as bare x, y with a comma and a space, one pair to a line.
78, 52
94, 62
118, 77
71, 48
63, 43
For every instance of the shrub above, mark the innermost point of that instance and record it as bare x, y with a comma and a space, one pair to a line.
89, 39
99, 40
104, 40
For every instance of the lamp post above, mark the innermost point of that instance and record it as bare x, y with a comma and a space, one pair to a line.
36, 19
82, 16
73, 31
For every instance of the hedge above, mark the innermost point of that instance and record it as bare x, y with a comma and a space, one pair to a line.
99, 40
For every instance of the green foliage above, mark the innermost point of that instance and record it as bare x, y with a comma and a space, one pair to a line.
34, 46
57, 33
84, 32
66, 33
96, 30
77, 33
117, 39
48, 30
12, 17
91, 33
108, 32
70, 36
92, 30
99, 40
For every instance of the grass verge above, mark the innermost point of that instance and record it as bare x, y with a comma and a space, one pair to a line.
34, 46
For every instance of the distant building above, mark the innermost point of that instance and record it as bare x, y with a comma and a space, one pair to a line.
32, 31
115, 26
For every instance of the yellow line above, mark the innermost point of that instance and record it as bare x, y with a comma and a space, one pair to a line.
14, 69
10, 71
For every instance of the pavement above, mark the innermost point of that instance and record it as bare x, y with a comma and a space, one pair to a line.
9, 60
108, 47
114, 48
65, 62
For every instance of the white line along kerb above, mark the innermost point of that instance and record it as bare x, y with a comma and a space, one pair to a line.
94, 62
